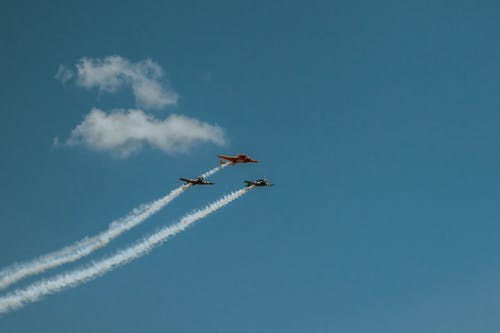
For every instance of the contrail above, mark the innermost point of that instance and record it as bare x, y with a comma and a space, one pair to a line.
88, 245
60, 282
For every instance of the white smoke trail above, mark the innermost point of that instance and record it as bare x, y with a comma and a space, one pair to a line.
60, 282
214, 170
88, 245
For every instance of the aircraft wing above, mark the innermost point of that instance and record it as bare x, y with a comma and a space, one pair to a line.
226, 157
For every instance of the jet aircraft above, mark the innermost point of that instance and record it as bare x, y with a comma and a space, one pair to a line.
259, 182
241, 158
196, 181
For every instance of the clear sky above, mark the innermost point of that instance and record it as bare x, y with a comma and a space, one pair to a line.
378, 121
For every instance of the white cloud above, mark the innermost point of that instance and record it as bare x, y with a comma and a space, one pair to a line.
127, 131
109, 74
121, 131
64, 74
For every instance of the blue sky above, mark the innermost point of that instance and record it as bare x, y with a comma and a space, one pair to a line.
378, 121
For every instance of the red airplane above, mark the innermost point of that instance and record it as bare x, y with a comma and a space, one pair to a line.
241, 158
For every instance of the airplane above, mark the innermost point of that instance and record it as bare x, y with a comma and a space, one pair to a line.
196, 181
241, 158
259, 182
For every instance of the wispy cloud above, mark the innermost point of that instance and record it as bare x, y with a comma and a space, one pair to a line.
109, 74
124, 131
127, 131
64, 74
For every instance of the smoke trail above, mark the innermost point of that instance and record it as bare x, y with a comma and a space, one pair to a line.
214, 170
60, 282
88, 245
